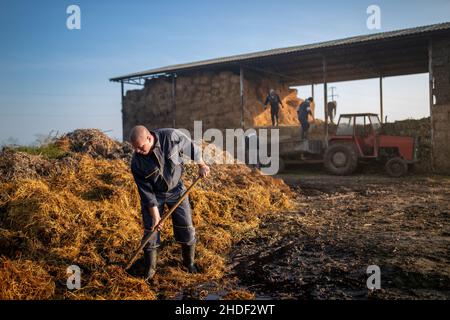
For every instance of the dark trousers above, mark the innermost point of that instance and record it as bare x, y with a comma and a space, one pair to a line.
305, 127
183, 228
274, 116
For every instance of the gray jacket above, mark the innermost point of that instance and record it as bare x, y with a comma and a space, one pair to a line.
160, 171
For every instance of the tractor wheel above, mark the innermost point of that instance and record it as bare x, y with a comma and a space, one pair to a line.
341, 159
396, 167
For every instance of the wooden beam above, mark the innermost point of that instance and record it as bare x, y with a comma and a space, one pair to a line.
381, 100
268, 71
123, 93
345, 75
361, 51
346, 65
340, 77
337, 57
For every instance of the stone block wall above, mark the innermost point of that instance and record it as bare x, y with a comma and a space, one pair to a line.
441, 108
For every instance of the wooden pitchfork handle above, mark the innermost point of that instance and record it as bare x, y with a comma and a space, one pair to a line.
164, 218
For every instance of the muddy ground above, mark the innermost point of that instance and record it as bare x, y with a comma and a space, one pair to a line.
342, 225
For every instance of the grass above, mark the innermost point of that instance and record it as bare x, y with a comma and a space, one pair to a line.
49, 151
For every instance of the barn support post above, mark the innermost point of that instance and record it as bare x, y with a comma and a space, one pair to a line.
312, 91
430, 88
381, 100
325, 97
122, 101
122, 93
241, 85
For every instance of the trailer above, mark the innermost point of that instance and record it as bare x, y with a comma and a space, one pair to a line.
358, 136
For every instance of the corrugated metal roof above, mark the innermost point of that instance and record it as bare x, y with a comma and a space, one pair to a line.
295, 49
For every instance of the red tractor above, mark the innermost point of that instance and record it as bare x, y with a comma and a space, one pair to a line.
359, 137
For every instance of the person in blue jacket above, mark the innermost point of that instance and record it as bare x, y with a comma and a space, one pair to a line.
303, 111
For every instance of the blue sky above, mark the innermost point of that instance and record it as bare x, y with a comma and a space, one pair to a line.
53, 78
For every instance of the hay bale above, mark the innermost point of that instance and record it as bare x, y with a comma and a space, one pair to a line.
420, 128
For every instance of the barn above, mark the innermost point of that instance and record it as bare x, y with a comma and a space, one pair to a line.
229, 92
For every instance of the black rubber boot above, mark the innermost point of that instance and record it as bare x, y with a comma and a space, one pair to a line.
150, 258
188, 253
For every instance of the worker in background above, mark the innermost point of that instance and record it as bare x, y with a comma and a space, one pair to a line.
331, 110
275, 103
157, 167
303, 111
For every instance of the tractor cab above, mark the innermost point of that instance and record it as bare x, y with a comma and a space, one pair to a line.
359, 136
362, 128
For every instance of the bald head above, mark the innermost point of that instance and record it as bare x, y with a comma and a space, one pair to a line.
138, 132
141, 139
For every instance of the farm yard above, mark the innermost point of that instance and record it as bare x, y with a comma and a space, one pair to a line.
304, 235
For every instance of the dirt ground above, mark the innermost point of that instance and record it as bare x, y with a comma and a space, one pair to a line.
342, 225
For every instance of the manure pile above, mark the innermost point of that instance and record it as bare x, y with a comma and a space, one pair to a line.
83, 209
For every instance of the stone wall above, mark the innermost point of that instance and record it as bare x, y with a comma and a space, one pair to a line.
441, 109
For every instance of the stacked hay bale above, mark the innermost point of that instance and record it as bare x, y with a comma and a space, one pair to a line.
257, 87
419, 128
85, 211
294, 102
151, 104
260, 117
211, 97
207, 96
